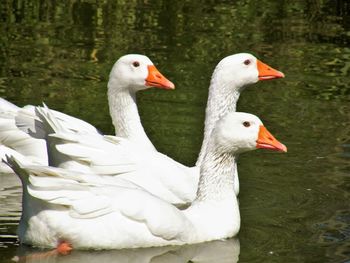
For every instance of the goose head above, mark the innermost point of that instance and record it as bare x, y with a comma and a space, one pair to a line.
243, 69
137, 72
239, 132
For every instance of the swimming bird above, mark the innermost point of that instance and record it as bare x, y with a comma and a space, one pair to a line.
22, 133
80, 211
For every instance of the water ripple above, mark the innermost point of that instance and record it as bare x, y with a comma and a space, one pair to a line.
10, 209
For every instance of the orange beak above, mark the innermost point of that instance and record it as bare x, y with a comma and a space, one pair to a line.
266, 72
267, 141
156, 79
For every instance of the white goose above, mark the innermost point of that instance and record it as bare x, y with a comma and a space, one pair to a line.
22, 135
66, 207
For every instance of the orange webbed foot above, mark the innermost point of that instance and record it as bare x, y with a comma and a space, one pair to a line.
62, 249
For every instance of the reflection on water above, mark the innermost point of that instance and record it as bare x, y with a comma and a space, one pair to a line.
294, 207
10, 209
10, 212
216, 251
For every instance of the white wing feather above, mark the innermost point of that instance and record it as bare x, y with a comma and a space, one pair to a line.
110, 155
88, 199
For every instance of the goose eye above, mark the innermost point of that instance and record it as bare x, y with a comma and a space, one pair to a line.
246, 124
136, 64
247, 62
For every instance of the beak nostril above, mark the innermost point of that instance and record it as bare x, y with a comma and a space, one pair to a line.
158, 76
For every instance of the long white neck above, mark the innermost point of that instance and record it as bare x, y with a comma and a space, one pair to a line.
125, 116
217, 174
215, 211
222, 99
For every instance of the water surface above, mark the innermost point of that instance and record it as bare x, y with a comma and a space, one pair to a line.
294, 207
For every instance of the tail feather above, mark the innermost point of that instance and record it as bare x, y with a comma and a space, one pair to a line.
12, 139
51, 124
17, 167
28, 122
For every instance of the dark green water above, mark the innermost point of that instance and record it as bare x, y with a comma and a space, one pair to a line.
294, 207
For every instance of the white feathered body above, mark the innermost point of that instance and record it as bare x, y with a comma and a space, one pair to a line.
77, 208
